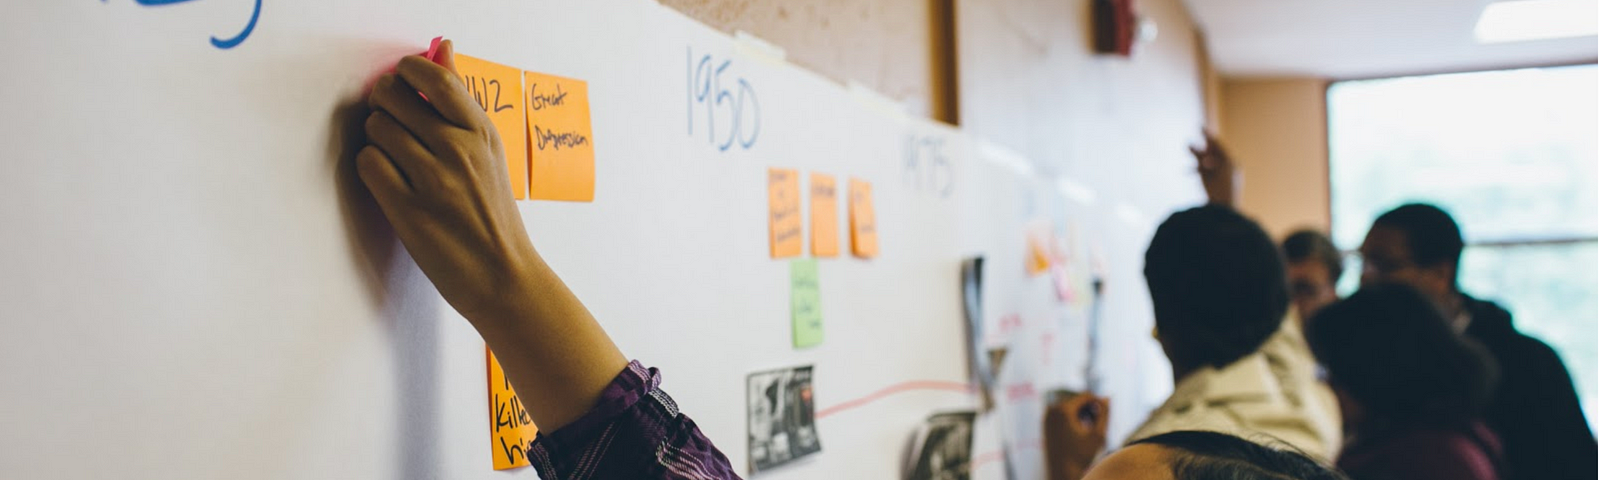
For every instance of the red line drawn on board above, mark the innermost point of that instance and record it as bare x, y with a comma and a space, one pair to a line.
911, 386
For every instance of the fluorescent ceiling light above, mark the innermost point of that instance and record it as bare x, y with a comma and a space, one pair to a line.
1522, 20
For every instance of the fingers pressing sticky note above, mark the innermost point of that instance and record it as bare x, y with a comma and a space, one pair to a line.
433, 51
560, 138
498, 91
783, 212
863, 221
511, 430
805, 302
824, 216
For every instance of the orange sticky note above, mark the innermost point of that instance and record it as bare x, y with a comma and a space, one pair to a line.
1038, 258
560, 139
783, 205
824, 216
498, 90
511, 430
863, 222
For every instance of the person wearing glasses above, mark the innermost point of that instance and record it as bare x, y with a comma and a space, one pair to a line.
1535, 408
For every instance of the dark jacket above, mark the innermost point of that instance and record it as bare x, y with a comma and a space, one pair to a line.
1535, 409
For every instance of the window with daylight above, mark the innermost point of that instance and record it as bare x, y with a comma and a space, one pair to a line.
1511, 154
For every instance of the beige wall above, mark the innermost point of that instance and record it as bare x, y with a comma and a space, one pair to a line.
1277, 133
1210, 85
899, 48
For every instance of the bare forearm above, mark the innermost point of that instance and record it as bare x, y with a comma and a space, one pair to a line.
554, 353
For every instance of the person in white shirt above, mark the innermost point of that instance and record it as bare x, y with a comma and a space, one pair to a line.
1240, 365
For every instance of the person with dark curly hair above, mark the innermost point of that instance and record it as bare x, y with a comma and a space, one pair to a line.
1197, 455
1412, 391
1217, 285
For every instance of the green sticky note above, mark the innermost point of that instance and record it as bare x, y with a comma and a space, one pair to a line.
805, 302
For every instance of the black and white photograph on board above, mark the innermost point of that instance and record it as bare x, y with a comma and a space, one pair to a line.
942, 447
782, 413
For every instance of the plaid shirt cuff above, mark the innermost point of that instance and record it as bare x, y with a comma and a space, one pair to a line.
633, 431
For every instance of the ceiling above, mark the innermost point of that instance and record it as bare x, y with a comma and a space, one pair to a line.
1344, 39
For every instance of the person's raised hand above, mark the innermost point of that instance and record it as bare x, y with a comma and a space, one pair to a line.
437, 169
1217, 174
1074, 435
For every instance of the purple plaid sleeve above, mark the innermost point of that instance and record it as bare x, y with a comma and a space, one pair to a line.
634, 431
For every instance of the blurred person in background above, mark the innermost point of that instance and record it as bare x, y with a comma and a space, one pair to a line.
1535, 409
1413, 392
1315, 266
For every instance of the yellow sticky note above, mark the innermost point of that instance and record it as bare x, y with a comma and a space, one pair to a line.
783, 206
863, 222
824, 216
560, 139
498, 90
511, 430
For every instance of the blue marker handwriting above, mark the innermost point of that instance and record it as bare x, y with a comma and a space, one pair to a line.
222, 43
733, 100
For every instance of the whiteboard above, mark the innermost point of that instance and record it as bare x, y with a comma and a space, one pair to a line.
194, 287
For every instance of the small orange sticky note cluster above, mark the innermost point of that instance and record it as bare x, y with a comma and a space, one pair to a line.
544, 126
784, 226
511, 429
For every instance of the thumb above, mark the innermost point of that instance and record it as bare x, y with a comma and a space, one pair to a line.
1103, 418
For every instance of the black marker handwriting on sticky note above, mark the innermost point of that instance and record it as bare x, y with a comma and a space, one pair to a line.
558, 140
480, 88
539, 101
